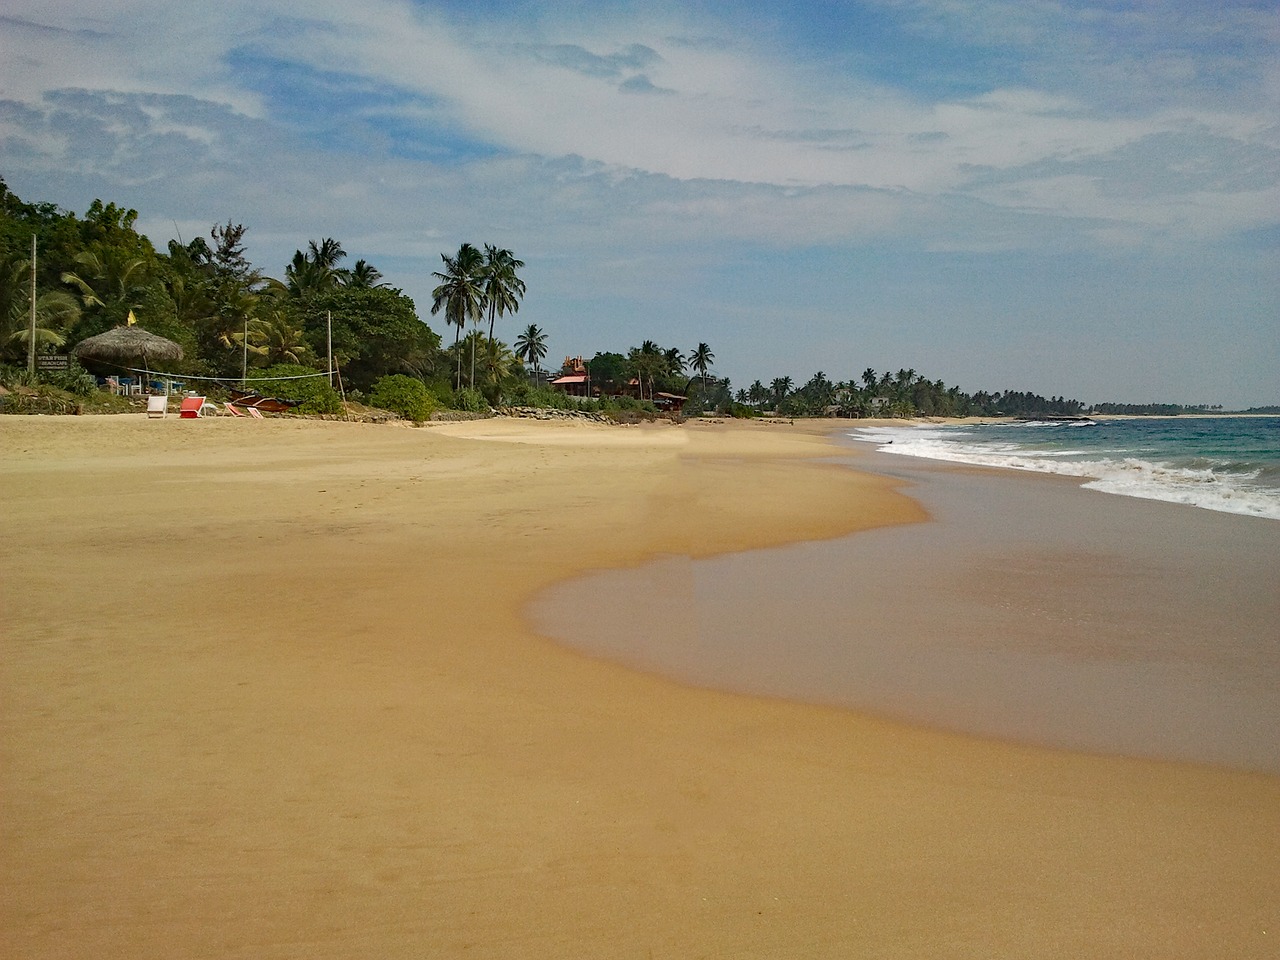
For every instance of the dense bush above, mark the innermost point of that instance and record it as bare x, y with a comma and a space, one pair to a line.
470, 400
73, 380
625, 404
403, 395
524, 393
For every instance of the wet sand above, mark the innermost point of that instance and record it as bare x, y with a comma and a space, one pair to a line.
1030, 609
266, 691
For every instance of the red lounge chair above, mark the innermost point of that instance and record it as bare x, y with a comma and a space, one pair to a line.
231, 409
253, 412
190, 408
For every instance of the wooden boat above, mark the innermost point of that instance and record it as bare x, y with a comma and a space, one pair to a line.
250, 398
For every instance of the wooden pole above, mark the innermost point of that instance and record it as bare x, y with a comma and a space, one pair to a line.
31, 344
329, 316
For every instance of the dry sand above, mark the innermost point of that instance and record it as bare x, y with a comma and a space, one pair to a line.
266, 693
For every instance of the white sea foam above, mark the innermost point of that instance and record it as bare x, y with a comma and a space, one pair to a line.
1211, 487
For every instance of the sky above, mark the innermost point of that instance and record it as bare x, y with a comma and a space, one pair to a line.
1071, 197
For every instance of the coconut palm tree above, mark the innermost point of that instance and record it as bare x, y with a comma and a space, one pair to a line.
503, 289
532, 346
700, 359
326, 254
647, 362
496, 361
675, 361
363, 276
780, 388
56, 311
316, 270
461, 294
274, 338
108, 279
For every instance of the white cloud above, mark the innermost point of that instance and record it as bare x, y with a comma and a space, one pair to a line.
733, 111
653, 153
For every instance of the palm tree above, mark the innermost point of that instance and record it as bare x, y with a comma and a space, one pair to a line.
646, 362
461, 295
363, 276
317, 269
532, 346
675, 361
272, 336
700, 359
56, 310
780, 388
502, 287
108, 278
496, 361
326, 253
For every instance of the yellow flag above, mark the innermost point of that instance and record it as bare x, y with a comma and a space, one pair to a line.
132, 319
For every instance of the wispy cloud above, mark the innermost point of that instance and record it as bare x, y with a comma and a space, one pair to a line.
1050, 128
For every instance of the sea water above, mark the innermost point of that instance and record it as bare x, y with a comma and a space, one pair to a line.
1229, 464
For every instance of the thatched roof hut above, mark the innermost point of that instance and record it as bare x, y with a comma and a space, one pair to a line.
127, 346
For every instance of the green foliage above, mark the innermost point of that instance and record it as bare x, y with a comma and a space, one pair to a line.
376, 331
74, 380
403, 395
608, 371
528, 394
470, 400
317, 396
625, 404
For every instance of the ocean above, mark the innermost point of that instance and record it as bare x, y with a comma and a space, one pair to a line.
1026, 610
1228, 464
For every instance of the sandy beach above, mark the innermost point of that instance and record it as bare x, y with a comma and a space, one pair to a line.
269, 692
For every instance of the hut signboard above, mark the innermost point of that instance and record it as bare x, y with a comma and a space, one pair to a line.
53, 361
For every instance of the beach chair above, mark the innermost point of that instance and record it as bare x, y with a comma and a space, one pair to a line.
232, 409
192, 408
157, 407
254, 412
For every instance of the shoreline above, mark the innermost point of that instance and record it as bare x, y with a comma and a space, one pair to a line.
1097, 603
269, 693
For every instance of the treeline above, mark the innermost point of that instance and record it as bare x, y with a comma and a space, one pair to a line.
902, 394
1153, 409
97, 272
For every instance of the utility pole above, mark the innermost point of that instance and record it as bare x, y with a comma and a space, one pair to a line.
31, 343
329, 314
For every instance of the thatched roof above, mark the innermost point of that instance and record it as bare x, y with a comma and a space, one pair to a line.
127, 345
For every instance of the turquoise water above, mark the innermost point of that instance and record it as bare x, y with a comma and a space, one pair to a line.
1230, 464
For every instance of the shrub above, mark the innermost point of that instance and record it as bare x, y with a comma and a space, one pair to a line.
523, 393
73, 380
403, 395
470, 400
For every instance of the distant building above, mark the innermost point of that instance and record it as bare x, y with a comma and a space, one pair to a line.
574, 379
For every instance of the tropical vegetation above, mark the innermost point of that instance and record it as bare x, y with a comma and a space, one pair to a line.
235, 322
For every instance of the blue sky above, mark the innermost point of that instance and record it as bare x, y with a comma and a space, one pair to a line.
1077, 198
